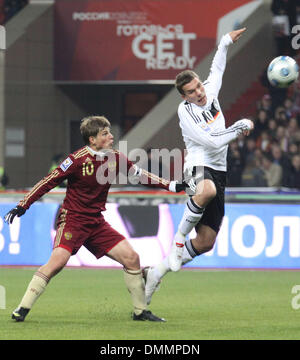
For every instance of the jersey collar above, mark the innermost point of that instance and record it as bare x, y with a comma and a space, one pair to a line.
101, 153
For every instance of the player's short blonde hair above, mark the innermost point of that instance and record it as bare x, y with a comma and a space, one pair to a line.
184, 78
91, 125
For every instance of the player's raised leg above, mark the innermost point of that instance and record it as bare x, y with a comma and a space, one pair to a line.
39, 281
193, 212
203, 242
153, 275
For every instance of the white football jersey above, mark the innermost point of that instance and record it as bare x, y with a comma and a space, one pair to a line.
203, 127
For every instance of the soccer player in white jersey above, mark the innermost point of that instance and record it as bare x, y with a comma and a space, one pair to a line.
206, 139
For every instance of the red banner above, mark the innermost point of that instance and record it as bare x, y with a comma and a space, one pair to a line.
2, 15
134, 40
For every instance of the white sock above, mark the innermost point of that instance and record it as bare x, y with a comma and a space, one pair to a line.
186, 256
135, 285
191, 216
163, 268
35, 288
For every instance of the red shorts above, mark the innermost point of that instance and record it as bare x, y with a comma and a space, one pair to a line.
75, 230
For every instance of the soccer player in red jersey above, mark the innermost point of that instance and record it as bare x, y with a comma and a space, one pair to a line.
90, 172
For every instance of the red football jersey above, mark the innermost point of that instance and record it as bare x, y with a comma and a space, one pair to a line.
89, 179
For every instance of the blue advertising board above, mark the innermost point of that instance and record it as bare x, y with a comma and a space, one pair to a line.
251, 236
256, 236
28, 241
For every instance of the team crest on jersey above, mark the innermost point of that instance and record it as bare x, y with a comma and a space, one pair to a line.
68, 236
204, 126
66, 164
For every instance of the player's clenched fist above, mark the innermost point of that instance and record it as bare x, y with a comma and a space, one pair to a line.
17, 211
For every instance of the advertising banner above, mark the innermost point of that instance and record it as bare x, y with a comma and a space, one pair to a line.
252, 236
28, 240
136, 40
256, 236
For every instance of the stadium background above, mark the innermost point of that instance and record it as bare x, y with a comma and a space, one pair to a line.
58, 67
51, 76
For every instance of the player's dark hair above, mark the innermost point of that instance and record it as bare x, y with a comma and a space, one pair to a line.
184, 78
91, 125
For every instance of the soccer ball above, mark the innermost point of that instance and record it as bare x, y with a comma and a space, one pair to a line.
282, 71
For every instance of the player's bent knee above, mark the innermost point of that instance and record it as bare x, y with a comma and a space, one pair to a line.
124, 254
207, 193
210, 189
131, 260
204, 198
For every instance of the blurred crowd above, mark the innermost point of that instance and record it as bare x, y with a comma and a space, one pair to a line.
270, 156
286, 14
9, 8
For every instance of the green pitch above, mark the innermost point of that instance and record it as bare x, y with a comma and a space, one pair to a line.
94, 304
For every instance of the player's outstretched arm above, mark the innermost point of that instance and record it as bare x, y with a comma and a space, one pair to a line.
214, 80
148, 179
217, 139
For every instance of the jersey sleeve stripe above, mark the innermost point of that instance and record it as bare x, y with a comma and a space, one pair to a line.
223, 132
228, 131
52, 175
80, 153
155, 178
